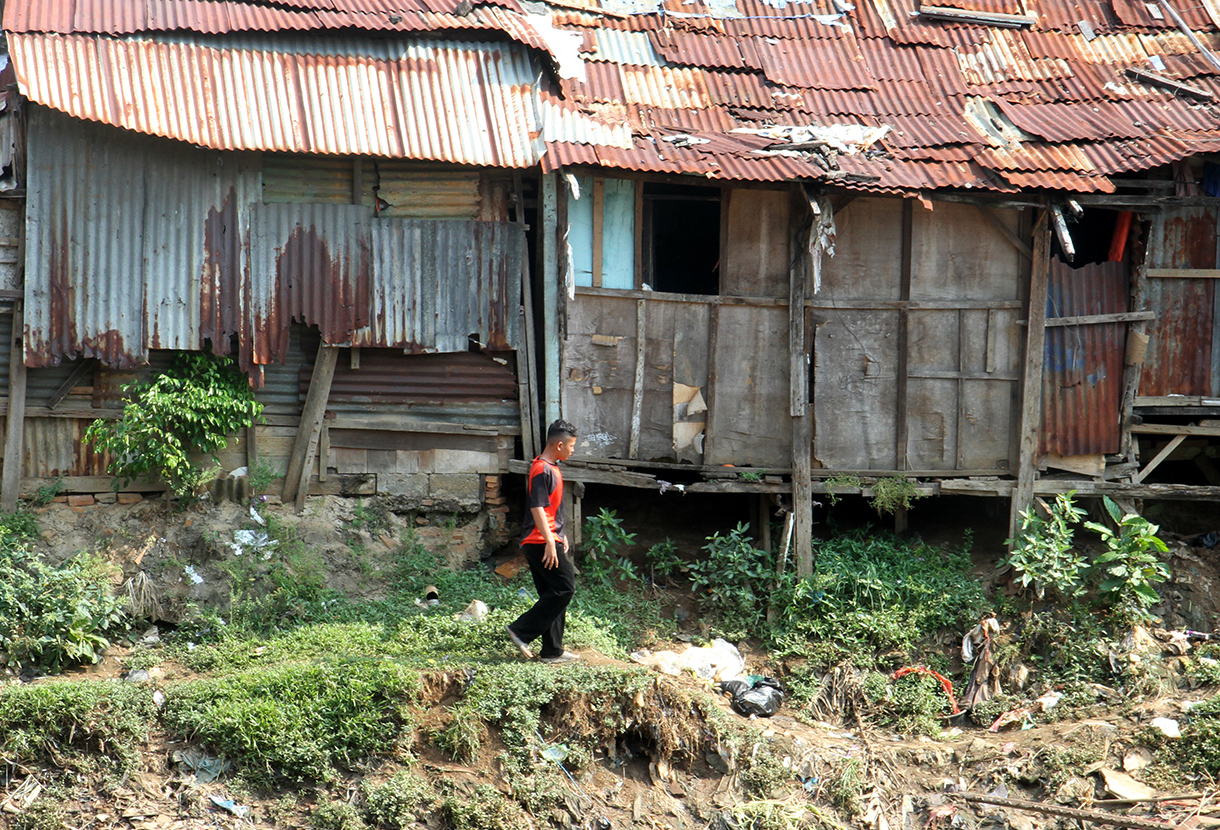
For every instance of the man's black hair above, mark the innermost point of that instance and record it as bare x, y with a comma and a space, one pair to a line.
559, 430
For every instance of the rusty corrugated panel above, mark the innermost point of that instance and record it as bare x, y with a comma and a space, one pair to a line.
439, 283
929, 132
695, 49
464, 103
1178, 361
310, 263
565, 123
50, 16
817, 64
665, 87
1082, 374
710, 120
1069, 180
56, 447
1099, 121
414, 191
388, 376
1034, 156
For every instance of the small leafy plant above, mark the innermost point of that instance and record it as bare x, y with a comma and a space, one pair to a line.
1129, 569
604, 536
190, 410
1042, 553
893, 493
663, 561
731, 579
46, 494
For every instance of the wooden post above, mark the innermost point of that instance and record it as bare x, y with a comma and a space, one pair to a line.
637, 389
799, 410
527, 378
1031, 381
296, 481
903, 344
549, 238
14, 433
599, 213
1131, 374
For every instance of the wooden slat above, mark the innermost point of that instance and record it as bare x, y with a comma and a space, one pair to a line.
1185, 273
1095, 319
74, 379
14, 432
599, 213
799, 409
1158, 458
1173, 429
637, 388
310, 430
996, 222
1031, 384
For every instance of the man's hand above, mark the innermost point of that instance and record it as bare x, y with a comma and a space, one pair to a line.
550, 557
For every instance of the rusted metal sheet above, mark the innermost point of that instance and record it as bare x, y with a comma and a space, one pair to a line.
439, 284
310, 263
1179, 357
1082, 375
118, 265
466, 103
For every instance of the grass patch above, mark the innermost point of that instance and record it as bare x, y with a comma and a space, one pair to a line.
298, 721
75, 723
400, 802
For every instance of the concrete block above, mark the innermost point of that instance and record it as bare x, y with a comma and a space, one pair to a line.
464, 461
455, 487
403, 484
106, 498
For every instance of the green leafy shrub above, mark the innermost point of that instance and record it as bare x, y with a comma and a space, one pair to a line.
1129, 568
191, 409
75, 719
1042, 553
731, 580
52, 616
41, 815
400, 802
603, 561
483, 809
892, 493
664, 561
298, 721
1198, 750
336, 815
870, 593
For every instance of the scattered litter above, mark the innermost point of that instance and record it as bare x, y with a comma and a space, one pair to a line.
512, 567
254, 514
666, 486
254, 540
193, 575
230, 806
1121, 785
1207, 540
1008, 748
1136, 759
20, 799
206, 768
1020, 716
754, 695
240, 472
476, 611
719, 661
1167, 727
981, 633
432, 596
159, 698
557, 753
944, 682
984, 682
1048, 701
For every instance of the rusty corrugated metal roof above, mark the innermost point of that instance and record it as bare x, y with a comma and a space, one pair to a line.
466, 103
1062, 112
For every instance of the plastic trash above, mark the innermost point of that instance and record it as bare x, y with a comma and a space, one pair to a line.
192, 574
761, 696
1167, 727
431, 595
718, 661
1207, 540
254, 514
207, 768
230, 806
476, 611
254, 540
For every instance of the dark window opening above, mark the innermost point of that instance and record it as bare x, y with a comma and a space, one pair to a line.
682, 238
1093, 234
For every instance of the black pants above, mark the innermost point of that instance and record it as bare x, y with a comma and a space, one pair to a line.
555, 588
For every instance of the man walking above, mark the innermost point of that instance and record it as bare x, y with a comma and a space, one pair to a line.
546, 549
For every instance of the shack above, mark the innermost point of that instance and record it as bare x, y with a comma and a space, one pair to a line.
972, 246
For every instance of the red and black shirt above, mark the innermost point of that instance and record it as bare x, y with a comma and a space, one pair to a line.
545, 490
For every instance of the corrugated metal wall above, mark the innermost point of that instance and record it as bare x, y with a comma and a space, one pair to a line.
1082, 375
137, 243
1179, 358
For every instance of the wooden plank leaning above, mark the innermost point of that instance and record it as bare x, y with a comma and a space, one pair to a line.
306, 443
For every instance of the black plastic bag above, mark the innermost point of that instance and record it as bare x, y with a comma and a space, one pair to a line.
763, 698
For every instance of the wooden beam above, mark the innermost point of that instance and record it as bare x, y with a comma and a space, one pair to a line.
1173, 429
74, 379
903, 345
638, 233
1153, 79
618, 478
1017, 242
599, 214
323, 452
310, 427
798, 405
1131, 373
550, 239
1007, 21
1169, 492
637, 388
1031, 383
14, 431
527, 378
1158, 458
1097, 319
1185, 273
